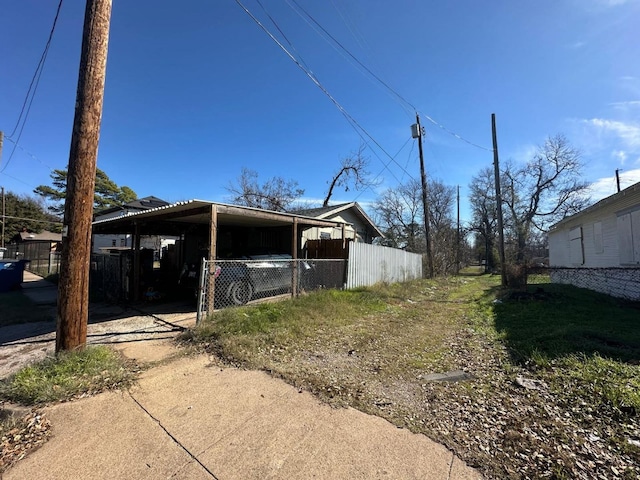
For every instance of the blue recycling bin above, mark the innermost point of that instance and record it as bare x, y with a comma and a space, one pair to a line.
11, 274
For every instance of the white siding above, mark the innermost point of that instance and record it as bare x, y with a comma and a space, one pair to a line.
605, 235
371, 264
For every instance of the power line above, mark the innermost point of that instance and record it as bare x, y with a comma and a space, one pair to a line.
352, 121
382, 82
31, 91
459, 137
282, 33
33, 220
29, 154
18, 180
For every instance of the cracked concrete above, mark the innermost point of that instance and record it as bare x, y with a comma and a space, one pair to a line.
190, 418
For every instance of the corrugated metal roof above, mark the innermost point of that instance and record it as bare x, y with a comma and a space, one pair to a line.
185, 206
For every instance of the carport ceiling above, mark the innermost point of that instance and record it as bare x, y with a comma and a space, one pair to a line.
198, 212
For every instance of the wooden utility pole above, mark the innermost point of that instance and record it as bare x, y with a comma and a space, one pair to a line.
458, 235
496, 167
425, 201
3, 212
73, 287
618, 179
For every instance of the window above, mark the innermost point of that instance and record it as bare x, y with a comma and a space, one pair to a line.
113, 242
629, 237
123, 242
597, 237
575, 246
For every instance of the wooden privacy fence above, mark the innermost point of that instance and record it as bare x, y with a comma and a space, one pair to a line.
371, 264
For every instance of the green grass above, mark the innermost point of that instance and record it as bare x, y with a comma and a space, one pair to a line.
560, 320
71, 374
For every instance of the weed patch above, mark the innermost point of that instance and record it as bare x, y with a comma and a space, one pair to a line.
69, 375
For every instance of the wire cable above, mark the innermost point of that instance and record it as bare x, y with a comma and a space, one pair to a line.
397, 95
362, 65
29, 153
33, 87
352, 121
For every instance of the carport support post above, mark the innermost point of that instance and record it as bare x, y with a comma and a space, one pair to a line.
294, 255
73, 284
213, 240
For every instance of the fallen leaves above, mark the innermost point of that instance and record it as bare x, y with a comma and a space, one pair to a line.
25, 434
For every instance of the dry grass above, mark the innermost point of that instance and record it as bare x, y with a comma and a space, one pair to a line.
372, 350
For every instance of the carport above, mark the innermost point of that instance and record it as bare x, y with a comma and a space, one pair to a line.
212, 230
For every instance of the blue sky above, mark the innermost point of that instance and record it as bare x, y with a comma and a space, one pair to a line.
196, 90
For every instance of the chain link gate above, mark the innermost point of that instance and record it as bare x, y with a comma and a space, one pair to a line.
231, 283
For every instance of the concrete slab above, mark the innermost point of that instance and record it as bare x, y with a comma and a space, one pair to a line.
39, 290
191, 419
107, 436
245, 424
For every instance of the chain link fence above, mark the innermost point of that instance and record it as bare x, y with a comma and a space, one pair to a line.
617, 282
229, 283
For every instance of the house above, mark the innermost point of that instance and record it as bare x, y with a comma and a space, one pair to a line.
599, 247
105, 243
39, 248
358, 226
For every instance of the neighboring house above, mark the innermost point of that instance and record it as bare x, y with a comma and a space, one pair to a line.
599, 247
358, 226
34, 245
50, 239
105, 243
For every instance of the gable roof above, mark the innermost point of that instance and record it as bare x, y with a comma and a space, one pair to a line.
144, 203
331, 210
629, 194
44, 236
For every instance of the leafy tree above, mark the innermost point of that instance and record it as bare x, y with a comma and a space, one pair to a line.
107, 192
353, 171
541, 192
24, 212
275, 194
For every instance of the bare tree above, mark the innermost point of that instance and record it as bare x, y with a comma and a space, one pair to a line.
442, 200
399, 213
546, 189
275, 194
353, 171
484, 210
